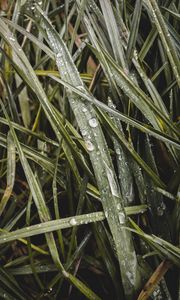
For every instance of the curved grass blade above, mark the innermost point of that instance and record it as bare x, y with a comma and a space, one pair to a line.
25, 70
165, 38
113, 33
36, 193
134, 30
10, 283
108, 187
11, 169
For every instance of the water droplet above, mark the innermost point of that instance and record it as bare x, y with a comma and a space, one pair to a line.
118, 151
84, 109
59, 55
112, 181
118, 206
106, 214
50, 290
89, 146
84, 132
73, 222
122, 218
12, 38
93, 122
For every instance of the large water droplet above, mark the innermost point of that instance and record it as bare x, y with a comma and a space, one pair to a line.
73, 222
93, 122
89, 146
122, 218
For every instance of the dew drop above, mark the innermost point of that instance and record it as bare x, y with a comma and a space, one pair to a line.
118, 206
73, 222
93, 122
89, 146
84, 109
59, 55
12, 38
84, 132
118, 151
122, 218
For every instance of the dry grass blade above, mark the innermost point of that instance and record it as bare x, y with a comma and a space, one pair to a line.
154, 280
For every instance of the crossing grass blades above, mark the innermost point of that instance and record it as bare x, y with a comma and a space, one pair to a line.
89, 150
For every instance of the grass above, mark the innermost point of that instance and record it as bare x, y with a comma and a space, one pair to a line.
89, 150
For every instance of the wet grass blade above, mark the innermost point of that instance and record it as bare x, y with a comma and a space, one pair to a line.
63, 224
134, 30
36, 193
88, 122
11, 169
165, 38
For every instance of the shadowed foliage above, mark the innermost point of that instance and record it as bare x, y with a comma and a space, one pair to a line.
89, 149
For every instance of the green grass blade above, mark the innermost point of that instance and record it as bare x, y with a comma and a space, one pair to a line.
134, 29
11, 169
165, 38
108, 188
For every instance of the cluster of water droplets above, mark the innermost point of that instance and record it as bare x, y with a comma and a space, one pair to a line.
157, 294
